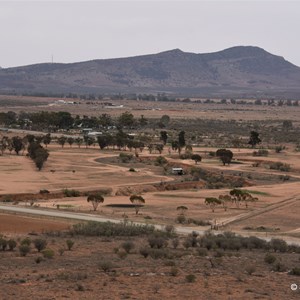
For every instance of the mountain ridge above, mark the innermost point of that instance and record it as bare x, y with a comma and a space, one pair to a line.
236, 71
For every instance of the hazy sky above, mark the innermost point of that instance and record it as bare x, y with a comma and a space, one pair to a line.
33, 31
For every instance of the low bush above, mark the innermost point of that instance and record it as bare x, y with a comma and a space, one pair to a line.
269, 258
181, 219
279, 245
280, 166
128, 246
202, 251
157, 242
295, 271
278, 149
40, 244
190, 278
279, 267
261, 152
44, 191
125, 157
12, 244
250, 269
144, 252
48, 253
105, 265
70, 244
159, 253
198, 222
24, 249
111, 229
160, 161
3, 244
26, 241
71, 193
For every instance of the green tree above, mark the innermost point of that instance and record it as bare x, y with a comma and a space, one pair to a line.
79, 141
196, 157
70, 141
181, 139
105, 120
159, 148
181, 209
138, 201
224, 155
165, 120
47, 139
17, 144
126, 119
41, 156
103, 141
254, 139
164, 136
212, 202
95, 199
62, 140
143, 121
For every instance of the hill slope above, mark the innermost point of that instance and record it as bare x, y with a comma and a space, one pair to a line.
237, 71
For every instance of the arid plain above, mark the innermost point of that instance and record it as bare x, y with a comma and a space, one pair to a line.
274, 214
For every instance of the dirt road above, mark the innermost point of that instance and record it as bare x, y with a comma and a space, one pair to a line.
88, 217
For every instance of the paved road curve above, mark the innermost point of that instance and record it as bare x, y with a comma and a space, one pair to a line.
88, 217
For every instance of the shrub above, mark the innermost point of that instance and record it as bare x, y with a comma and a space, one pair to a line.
105, 265
190, 278
279, 267
250, 269
269, 258
261, 152
48, 253
157, 242
122, 254
71, 193
70, 244
278, 149
284, 177
159, 253
125, 157
280, 166
61, 251
26, 241
132, 170
181, 219
170, 263
185, 156
202, 252
144, 252
111, 229
170, 229
175, 243
128, 246
295, 271
3, 244
44, 191
198, 222
160, 160
279, 245
40, 244
38, 259
12, 244
24, 249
